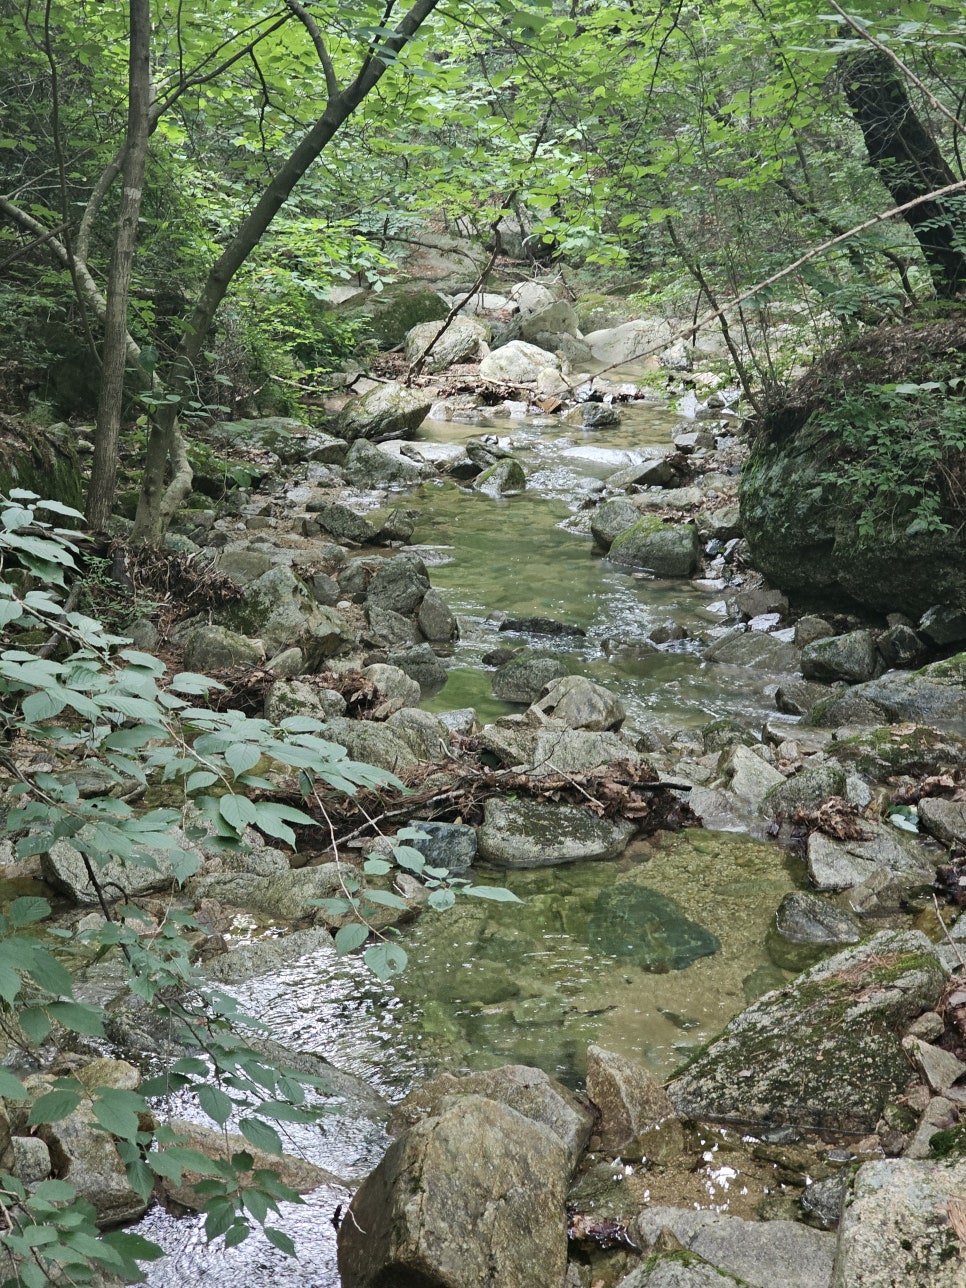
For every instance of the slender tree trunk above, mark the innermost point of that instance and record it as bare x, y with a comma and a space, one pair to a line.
100, 495
166, 481
907, 159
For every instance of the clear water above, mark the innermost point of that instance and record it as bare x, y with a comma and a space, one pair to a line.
489, 984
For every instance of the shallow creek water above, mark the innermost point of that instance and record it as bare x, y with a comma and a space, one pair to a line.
490, 984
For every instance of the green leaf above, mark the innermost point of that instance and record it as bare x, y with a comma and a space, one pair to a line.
11, 1088
78, 1017
261, 1135
348, 938
216, 1104
53, 1106
442, 899
376, 867
26, 909
241, 756
497, 894
237, 811
117, 1111
385, 960
279, 1239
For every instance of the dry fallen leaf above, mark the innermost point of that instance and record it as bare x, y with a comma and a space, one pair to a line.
957, 1217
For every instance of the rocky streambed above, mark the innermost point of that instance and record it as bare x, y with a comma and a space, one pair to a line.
694, 1055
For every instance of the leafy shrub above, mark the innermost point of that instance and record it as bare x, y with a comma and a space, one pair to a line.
897, 454
93, 702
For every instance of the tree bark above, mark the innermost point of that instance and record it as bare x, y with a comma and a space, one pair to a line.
114, 354
159, 500
907, 159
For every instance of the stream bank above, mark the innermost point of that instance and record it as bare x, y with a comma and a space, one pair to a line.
438, 617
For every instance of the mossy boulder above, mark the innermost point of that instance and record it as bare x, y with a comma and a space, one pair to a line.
823, 1053
388, 411
901, 749
42, 460
665, 549
803, 530
935, 693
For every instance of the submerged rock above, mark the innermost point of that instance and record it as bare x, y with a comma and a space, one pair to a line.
823, 1053
636, 923
474, 1195
528, 834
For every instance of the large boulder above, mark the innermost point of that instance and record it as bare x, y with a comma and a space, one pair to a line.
388, 411
840, 865
824, 1053
527, 834
368, 466
472, 1196
464, 340
393, 312
665, 549
896, 1227
63, 867
278, 608
935, 693
580, 703
530, 1092
517, 363
209, 648
803, 530
399, 584
558, 317
525, 677
611, 518
630, 342
578, 751
850, 657
502, 479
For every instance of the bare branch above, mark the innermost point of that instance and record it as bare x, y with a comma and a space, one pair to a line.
312, 27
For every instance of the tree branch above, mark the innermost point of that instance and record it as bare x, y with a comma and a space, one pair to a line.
312, 27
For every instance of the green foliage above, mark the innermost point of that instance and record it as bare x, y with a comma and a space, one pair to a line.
100, 705
898, 455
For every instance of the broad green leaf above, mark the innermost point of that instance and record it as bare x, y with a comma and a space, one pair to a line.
280, 1240
442, 899
215, 1104
78, 1017
53, 1106
497, 894
350, 937
26, 909
11, 1088
117, 1111
261, 1135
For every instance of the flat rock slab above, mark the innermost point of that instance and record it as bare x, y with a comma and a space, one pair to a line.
841, 865
765, 1254
896, 1228
527, 834
823, 1053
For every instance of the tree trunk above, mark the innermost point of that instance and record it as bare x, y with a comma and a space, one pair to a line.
907, 159
166, 455
114, 358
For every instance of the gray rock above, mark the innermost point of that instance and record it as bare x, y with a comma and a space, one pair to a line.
209, 648
394, 685
578, 751
808, 629
943, 819
531, 297
631, 340
371, 743
944, 624
63, 868
421, 664
529, 1092
848, 708
473, 1195
388, 411
464, 340
502, 479
630, 1100
760, 1254
594, 415
399, 584
672, 1272
436, 620
850, 657
936, 692
298, 698
391, 629
750, 777
900, 646
261, 957
901, 749
524, 678
665, 549
580, 703
938, 1068
655, 471
517, 363
823, 1200
345, 525
824, 1052
287, 664
425, 734
611, 518
895, 1230
556, 317
798, 697
805, 918
805, 790
31, 1159
369, 467
528, 834
939, 1115
446, 845
757, 649
512, 740
283, 896
324, 589
279, 610
840, 865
